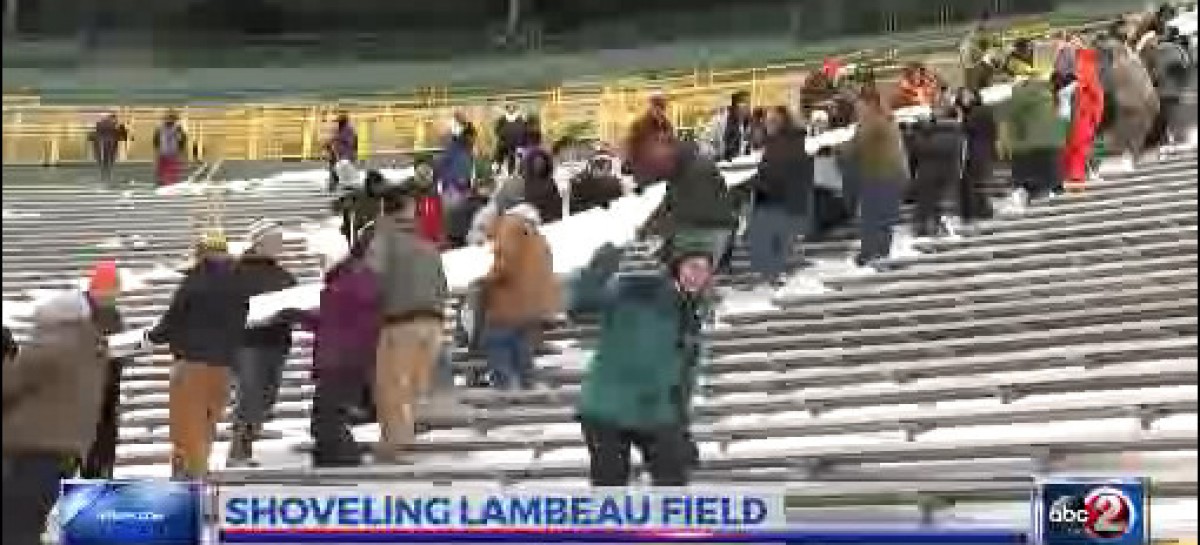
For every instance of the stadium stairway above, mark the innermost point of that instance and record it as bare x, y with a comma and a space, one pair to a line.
1062, 338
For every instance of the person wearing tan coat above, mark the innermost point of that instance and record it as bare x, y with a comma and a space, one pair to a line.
52, 396
1136, 104
520, 294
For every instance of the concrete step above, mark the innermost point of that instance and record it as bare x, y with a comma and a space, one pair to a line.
904, 308
519, 470
1088, 357
1150, 404
1069, 334
1160, 243
810, 335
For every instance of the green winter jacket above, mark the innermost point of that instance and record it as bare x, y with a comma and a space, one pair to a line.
643, 371
697, 195
1031, 118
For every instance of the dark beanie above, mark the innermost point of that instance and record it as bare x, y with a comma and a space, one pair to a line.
687, 245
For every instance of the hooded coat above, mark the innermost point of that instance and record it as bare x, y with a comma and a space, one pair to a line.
644, 369
520, 288
54, 388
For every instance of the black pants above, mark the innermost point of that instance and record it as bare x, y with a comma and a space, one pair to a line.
1167, 123
973, 204
668, 454
106, 165
331, 420
879, 211
102, 454
506, 157
333, 177
930, 190
31, 487
1036, 171
352, 225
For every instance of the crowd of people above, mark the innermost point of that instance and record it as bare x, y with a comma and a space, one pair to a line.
379, 350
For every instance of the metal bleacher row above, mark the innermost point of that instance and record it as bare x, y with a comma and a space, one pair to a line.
1059, 339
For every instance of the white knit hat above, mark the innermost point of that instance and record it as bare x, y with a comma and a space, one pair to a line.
526, 212
64, 306
265, 237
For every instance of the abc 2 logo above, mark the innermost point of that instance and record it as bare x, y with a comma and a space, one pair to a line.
1100, 512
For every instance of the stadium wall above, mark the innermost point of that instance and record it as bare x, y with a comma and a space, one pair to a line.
447, 19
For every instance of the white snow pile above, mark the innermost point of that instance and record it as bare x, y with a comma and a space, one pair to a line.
10, 214
294, 180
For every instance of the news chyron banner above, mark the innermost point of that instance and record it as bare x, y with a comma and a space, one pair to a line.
159, 512
1075, 511
396, 513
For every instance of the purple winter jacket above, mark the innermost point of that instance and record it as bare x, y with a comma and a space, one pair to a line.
344, 144
346, 326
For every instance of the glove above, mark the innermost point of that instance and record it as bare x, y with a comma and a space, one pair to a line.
289, 315
607, 258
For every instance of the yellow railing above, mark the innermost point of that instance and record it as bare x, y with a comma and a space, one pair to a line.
47, 134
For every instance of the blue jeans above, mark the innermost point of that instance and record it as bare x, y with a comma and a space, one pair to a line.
509, 357
771, 235
879, 210
257, 371
443, 378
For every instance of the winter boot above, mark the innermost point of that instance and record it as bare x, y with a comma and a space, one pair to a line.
442, 406
179, 471
241, 446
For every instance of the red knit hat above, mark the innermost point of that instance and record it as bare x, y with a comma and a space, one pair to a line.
831, 67
105, 278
